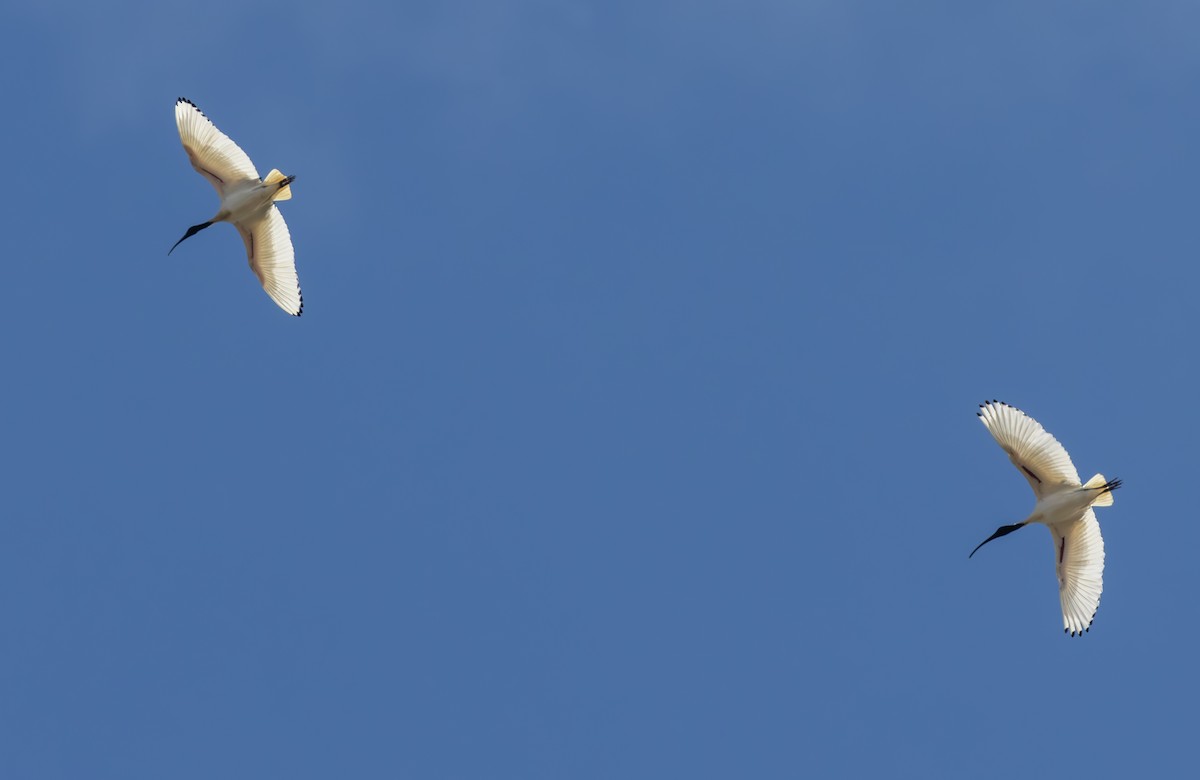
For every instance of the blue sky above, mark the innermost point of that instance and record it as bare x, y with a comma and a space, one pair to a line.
629, 430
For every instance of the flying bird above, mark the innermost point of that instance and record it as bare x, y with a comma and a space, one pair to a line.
247, 202
1063, 505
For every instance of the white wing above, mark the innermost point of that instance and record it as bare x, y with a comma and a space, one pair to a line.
1079, 561
269, 250
212, 154
1035, 453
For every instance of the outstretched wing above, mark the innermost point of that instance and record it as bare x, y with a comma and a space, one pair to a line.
269, 250
212, 154
1035, 453
1079, 561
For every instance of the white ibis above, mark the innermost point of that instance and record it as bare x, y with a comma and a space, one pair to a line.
1063, 505
247, 202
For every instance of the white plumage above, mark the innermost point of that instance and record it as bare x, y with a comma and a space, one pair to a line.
247, 202
1063, 505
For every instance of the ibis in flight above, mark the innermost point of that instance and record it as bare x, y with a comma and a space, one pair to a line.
1063, 505
247, 203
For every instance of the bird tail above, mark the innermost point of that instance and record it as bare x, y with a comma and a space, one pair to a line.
1105, 487
275, 177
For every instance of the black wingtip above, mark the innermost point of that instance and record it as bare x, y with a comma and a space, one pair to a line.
193, 105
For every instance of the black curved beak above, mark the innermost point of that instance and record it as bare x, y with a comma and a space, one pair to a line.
1003, 530
193, 230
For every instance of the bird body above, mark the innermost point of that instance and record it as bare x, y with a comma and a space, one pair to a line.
247, 202
1064, 505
